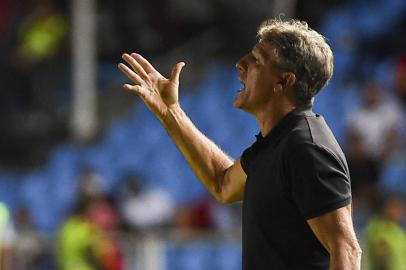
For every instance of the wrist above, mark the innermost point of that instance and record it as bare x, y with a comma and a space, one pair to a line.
172, 112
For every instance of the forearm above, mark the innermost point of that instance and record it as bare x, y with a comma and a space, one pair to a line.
206, 159
345, 258
336, 233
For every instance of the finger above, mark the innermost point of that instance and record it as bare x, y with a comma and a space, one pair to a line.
135, 89
144, 63
135, 65
176, 72
130, 74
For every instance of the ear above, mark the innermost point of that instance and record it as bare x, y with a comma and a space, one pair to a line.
288, 79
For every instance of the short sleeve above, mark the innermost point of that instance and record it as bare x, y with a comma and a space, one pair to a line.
319, 182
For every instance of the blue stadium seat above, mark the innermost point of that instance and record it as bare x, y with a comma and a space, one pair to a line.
35, 194
100, 160
194, 256
61, 170
393, 175
228, 256
375, 17
9, 185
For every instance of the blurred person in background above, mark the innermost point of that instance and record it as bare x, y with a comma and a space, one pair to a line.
30, 248
365, 173
7, 238
400, 81
89, 185
374, 138
41, 33
103, 214
41, 37
393, 171
142, 207
385, 238
196, 216
377, 122
364, 168
34, 78
88, 239
294, 181
79, 241
205, 214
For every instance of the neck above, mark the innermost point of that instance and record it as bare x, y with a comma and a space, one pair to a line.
272, 114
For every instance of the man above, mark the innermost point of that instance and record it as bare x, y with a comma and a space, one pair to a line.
293, 180
385, 238
7, 238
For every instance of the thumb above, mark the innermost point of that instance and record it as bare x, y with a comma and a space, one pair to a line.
176, 72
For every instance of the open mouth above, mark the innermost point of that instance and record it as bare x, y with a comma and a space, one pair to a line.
242, 87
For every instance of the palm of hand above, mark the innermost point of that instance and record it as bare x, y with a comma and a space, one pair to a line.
157, 92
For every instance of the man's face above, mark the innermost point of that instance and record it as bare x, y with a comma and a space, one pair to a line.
259, 75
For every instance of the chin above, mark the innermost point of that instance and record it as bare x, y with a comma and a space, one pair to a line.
237, 103
241, 106
239, 100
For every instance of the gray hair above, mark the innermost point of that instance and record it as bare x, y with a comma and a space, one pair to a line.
301, 50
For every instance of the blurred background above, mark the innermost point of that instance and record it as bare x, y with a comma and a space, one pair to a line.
90, 180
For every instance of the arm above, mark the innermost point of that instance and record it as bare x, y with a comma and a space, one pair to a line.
224, 178
335, 231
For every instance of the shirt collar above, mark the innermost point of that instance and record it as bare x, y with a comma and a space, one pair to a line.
285, 124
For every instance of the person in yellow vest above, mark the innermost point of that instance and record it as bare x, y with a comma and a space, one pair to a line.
42, 33
7, 236
385, 239
79, 242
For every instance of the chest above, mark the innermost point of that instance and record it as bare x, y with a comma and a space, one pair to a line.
267, 189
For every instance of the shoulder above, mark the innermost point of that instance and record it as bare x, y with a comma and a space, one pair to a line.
310, 135
303, 133
306, 152
298, 135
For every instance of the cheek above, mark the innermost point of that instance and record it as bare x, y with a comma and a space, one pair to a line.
261, 83
253, 81
258, 77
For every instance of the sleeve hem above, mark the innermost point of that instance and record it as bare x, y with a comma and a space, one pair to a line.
328, 208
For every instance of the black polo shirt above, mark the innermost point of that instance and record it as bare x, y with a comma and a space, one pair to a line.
297, 172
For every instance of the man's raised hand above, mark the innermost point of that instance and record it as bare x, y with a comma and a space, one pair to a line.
157, 92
